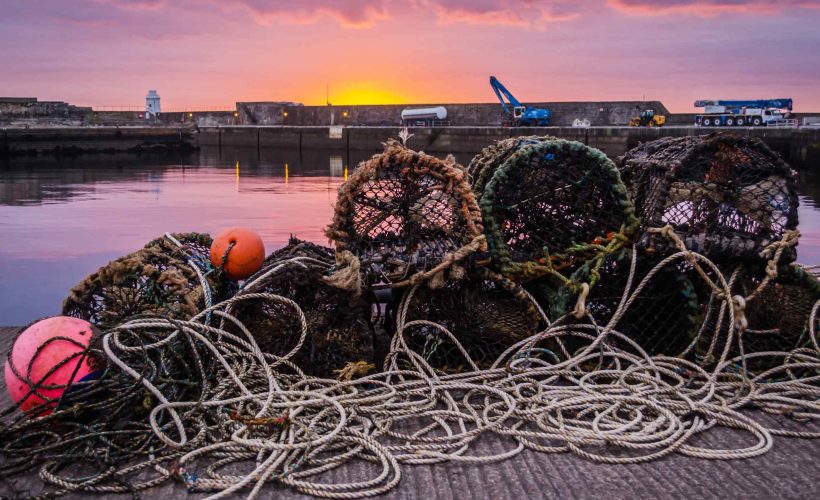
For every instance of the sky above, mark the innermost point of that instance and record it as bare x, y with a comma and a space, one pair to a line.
209, 54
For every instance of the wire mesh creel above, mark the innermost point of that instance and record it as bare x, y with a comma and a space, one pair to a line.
161, 279
339, 330
403, 213
725, 196
551, 208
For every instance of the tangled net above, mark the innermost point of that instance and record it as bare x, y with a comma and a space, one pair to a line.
406, 217
171, 276
339, 330
484, 317
726, 196
238, 396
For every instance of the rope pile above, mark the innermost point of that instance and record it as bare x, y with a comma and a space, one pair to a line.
276, 386
204, 405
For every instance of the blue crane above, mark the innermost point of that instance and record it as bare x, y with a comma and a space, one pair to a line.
754, 103
522, 115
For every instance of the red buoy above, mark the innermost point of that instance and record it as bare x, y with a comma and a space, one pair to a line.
239, 251
36, 352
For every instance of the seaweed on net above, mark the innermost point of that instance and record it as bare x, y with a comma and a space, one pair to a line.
170, 276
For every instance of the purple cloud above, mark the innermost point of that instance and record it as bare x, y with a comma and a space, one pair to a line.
504, 12
708, 8
348, 13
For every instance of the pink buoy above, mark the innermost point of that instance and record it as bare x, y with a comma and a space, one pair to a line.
25, 353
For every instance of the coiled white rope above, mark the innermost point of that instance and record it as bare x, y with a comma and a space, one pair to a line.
263, 420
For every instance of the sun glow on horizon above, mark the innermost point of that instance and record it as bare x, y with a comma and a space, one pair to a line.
367, 93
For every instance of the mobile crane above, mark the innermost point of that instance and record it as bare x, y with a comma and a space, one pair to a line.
522, 115
723, 113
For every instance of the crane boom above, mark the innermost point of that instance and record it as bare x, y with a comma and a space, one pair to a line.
753, 103
521, 115
501, 92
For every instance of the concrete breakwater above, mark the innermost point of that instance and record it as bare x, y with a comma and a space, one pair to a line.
67, 141
799, 146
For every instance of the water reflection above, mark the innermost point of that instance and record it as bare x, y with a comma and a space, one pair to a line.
64, 219
61, 220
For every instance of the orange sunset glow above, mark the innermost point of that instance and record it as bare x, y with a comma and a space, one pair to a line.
204, 53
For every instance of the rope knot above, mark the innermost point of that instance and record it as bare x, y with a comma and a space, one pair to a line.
739, 307
346, 275
581, 304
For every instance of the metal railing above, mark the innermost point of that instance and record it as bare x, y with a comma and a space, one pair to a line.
782, 123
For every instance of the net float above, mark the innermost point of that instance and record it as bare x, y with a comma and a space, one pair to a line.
46, 358
239, 252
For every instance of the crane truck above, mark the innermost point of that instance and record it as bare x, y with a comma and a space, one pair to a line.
724, 113
522, 115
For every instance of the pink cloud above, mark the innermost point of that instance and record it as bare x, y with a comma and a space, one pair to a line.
523, 13
708, 8
348, 13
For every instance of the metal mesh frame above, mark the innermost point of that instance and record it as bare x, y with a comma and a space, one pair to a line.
726, 196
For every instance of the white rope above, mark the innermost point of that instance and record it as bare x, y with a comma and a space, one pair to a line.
609, 402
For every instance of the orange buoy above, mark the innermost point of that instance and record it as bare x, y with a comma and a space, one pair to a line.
239, 251
36, 352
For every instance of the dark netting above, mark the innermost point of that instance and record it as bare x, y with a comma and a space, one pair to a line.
778, 313
552, 209
725, 196
403, 212
484, 164
164, 279
664, 316
339, 330
484, 317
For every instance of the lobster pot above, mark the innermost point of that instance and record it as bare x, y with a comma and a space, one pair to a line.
552, 208
401, 212
663, 317
162, 279
779, 315
484, 164
725, 196
483, 317
339, 330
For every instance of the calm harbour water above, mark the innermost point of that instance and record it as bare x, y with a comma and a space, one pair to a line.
62, 220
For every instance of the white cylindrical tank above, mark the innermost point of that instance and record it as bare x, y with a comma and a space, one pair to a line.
437, 113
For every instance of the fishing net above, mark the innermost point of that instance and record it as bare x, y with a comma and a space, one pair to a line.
553, 210
98, 438
482, 317
726, 197
664, 315
171, 276
339, 330
777, 311
407, 217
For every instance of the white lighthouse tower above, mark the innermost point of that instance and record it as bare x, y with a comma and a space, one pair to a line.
152, 108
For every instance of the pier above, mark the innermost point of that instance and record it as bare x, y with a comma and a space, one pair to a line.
799, 146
